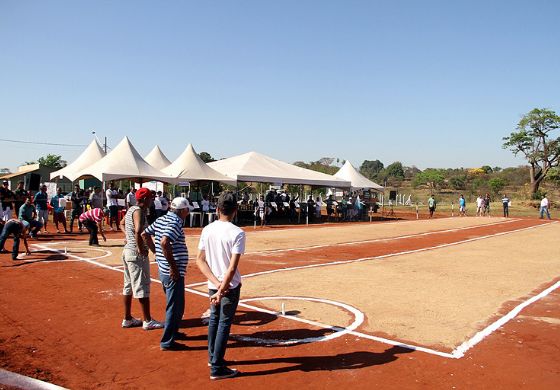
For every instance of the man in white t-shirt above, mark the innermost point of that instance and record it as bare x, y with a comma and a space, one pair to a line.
544, 208
130, 198
113, 205
219, 251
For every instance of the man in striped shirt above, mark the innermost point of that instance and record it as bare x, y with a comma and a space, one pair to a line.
172, 258
92, 220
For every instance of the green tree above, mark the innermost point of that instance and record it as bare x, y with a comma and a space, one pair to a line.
458, 182
433, 178
395, 170
497, 184
206, 157
534, 139
52, 160
371, 169
487, 169
554, 176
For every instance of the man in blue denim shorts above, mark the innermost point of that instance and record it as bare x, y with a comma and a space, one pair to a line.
219, 251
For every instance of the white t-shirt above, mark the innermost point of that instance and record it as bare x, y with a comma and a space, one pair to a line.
205, 205
478, 202
220, 240
131, 199
544, 202
112, 197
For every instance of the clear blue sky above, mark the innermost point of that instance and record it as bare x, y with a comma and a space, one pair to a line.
427, 83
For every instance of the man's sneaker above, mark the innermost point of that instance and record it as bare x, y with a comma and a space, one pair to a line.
223, 373
133, 322
152, 324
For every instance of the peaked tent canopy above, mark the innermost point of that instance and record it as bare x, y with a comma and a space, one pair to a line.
189, 166
157, 159
92, 154
359, 181
124, 162
256, 167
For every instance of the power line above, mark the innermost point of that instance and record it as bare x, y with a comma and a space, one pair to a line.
39, 143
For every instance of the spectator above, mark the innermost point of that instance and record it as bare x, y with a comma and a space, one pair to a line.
137, 264
432, 205
7, 198
96, 199
41, 204
130, 199
172, 258
58, 210
544, 208
77, 198
20, 194
113, 205
220, 248
28, 214
505, 204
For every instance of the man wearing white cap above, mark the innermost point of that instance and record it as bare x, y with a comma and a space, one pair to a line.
172, 258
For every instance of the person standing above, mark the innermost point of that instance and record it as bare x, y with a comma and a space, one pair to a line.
544, 208
19, 230
171, 257
219, 252
462, 206
479, 205
261, 210
7, 198
41, 203
113, 205
58, 210
96, 198
505, 204
93, 221
130, 199
137, 264
487, 204
20, 195
432, 204
77, 197
205, 204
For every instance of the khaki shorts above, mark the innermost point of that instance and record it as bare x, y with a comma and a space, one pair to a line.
136, 274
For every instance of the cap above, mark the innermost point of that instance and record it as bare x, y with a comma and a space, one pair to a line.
143, 193
179, 203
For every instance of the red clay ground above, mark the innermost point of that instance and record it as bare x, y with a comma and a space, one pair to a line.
61, 323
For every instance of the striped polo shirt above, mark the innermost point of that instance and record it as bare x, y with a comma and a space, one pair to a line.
170, 226
95, 215
129, 226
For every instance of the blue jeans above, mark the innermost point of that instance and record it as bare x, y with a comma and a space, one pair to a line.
221, 317
9, 228
175, 296
543, 211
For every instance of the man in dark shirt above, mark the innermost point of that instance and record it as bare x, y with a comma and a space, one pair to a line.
77, 198
20, 195
6, 198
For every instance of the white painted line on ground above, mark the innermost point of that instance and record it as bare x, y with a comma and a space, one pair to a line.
414, 235
9, 378
302, 320
455, 354
338, 331
459, 352
391, 254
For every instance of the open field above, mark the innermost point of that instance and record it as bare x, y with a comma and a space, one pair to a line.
442, 303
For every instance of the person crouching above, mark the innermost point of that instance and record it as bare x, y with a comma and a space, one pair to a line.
93, 221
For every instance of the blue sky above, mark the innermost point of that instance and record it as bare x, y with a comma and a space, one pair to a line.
431, 83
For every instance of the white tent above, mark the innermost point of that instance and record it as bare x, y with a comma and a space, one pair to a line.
256, 167
124, 162
157, 159
359, 181
89, 156
190, 167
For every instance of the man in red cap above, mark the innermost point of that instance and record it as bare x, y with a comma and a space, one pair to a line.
136, 263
